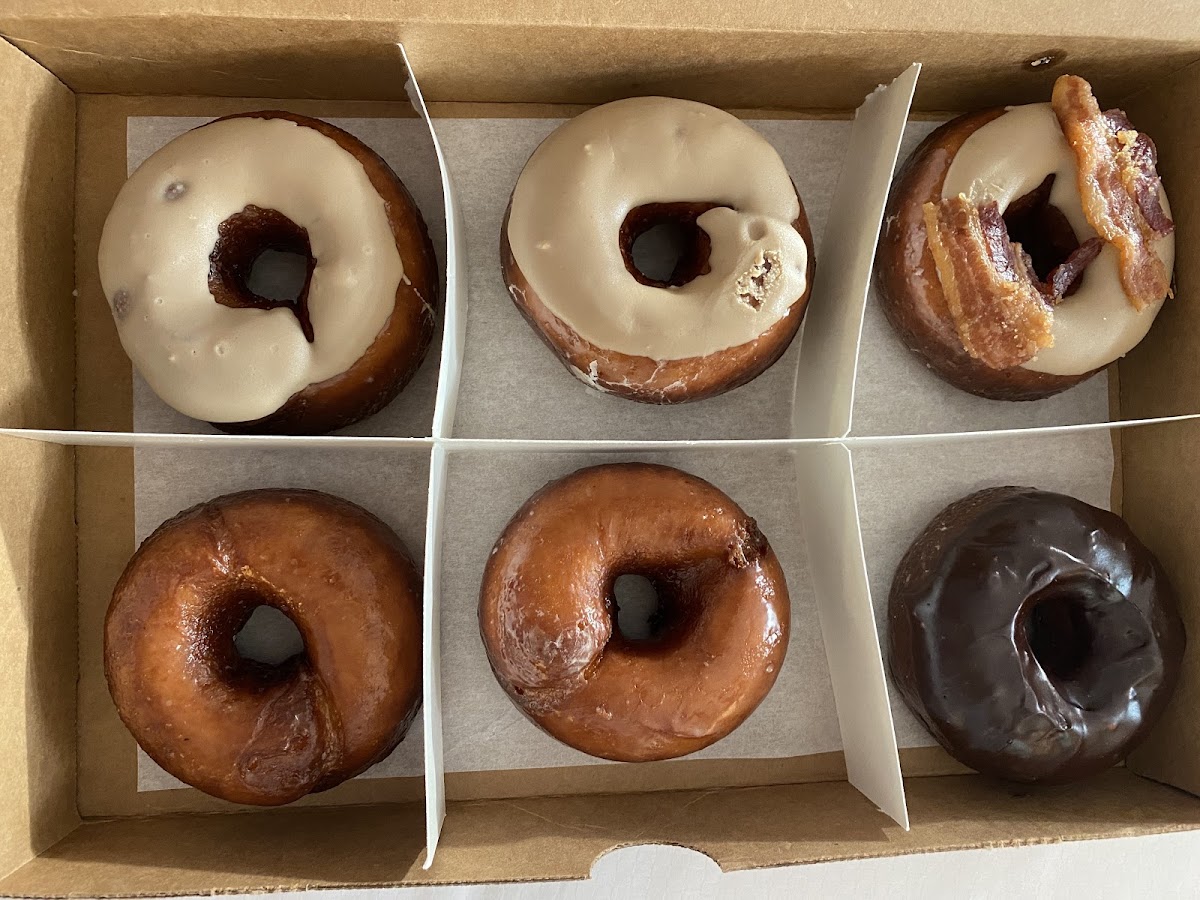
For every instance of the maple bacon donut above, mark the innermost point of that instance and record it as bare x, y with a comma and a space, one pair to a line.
182, 238
738, 292
547, 612
245, 731
1027, 248
1036, 637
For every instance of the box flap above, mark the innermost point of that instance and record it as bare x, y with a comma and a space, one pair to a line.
590, 51
558, 838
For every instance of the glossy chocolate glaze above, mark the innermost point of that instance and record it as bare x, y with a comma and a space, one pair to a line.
390, 362
1035, 635
907, 283
241, 730
641, 378
547, 612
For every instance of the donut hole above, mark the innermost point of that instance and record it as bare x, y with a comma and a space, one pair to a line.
263, 260
1060, 635
662, 244
269, 637
637, 605
278, 275
1043, 231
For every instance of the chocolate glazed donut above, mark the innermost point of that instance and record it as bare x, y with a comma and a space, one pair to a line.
907, 281
547, 612
1033, 634
239, 729
393, 358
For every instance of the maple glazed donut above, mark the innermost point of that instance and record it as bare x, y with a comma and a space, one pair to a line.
1036, 636
547, 612
182, 238
245, 731
1027, 248
737, 293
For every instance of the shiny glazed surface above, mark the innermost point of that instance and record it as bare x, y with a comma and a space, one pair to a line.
1034, 635
547, 612
239, 729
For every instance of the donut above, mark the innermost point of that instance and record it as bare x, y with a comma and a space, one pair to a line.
1027, 248
547, 612
1034, 635
245, 731
181, 240
737, 294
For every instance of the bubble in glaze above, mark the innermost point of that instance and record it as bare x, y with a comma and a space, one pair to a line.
175, 190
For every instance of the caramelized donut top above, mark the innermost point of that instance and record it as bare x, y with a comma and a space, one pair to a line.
547, 612
243, 730
572, 201
198, 351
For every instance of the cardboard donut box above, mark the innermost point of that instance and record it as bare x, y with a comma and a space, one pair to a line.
73, 76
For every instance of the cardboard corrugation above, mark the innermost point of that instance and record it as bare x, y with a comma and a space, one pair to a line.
804, 56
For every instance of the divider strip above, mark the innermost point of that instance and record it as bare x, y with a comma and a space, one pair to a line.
829, 346
829, 509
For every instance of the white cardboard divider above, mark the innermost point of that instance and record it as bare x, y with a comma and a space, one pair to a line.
431, 644
829, 508
829, 346
454, 315
454, 323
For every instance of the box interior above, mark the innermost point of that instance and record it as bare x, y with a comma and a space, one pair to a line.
70, 81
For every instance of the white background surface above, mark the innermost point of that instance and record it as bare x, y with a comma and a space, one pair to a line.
1158, 867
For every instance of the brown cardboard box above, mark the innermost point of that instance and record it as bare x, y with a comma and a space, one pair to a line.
72, 821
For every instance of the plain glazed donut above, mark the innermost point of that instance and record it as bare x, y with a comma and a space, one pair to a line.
182, 237
547, 612
736, 297
238, 729
1014, 259
1036, 637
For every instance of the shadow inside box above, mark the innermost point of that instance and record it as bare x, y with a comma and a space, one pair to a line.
368, 845
36, 500
981, 810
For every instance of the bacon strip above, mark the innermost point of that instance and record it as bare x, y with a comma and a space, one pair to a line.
993, 297
1119, 185
1065, 278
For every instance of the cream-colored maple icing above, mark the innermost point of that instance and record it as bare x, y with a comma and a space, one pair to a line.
214, 362
1010, 156
577, 187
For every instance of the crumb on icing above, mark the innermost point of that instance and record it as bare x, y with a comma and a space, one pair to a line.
754, 285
